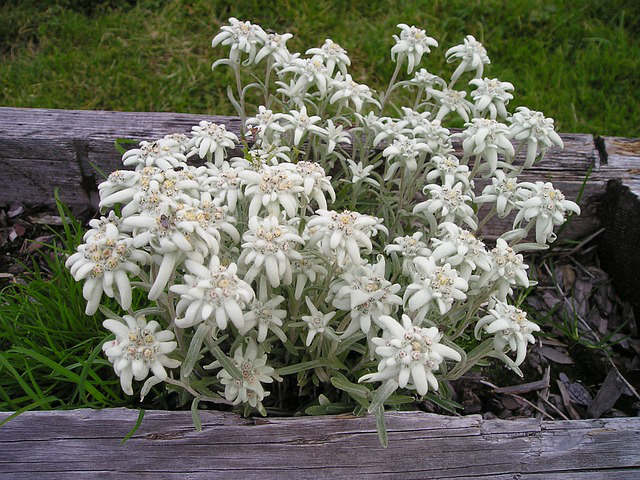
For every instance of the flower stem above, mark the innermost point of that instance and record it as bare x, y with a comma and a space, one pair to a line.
243, 115
392, 82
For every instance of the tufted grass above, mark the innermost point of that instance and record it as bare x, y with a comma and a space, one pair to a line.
578, 61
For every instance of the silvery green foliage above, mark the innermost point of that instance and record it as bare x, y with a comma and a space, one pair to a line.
326, 238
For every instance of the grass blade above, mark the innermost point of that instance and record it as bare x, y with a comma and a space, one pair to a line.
135, 427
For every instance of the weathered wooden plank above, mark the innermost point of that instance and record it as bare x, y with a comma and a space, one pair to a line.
85, 444
622, 155
79, 144
81, 141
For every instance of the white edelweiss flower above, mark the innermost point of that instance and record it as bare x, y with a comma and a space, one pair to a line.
388, 129
263, 153
491, 96
180, 138
536, 131
100, 225
105, 262
180, 185
416, 119
172, 228
346, 90
409, 247
333, 55
264, 314
213, 294
309, 71
120, 187
360, 173
225, 185
412, 42
433, 284
510, 328
209, 140
447, 169
435, 135
447, 204
334, 135
473, 55
544, 206
173, 232
406, 152
409, 355
289, 90
274, 46
139, 348
307, 270
252, 363
164, 154
216, 216
269, 249
363, 291
266, 122
341, 235
275, 188
367, 121
508, 270
315, 181
243, 37
317, 322
460, 249
504, 191
302, 124
452, 101
425, 80
486, 139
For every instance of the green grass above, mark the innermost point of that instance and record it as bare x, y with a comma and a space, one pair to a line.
578, 61
50, 351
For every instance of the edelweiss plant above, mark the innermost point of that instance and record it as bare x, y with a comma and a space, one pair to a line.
335, 236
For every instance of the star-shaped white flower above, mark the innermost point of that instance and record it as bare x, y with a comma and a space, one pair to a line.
242, 37
473, 55
139, 348
211, 141
433, 284
412, 42
264, 315
105, 262
536, 131
511, 330
545, 207
317, 322
252, 363
409, 355
212, 294
333, 55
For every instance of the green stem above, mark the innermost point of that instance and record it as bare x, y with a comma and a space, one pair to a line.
392, 82
267, 95
243, 115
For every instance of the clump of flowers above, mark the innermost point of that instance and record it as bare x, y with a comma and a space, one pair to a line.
327, 244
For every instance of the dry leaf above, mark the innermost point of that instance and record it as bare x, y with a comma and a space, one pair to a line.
555, 355
578, 392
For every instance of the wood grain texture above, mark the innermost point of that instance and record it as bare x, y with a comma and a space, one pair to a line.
66, 148
86, 444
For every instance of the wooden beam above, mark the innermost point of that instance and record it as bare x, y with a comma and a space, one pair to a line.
41, 149
86, 444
